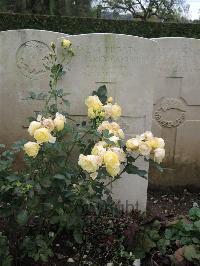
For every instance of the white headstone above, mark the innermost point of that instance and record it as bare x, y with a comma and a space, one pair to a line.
123, 63
22, 54
176, 115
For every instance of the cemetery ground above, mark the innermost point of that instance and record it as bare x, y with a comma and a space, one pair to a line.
171, 204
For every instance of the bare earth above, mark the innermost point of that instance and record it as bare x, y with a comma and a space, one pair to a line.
171, 204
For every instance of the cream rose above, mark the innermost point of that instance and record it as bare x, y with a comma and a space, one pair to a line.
66, 43
34, 125
89, 163
144, 149
155, 143
59, 121
120, 153
31, 149
43, 135
116, 112
159, 155
112, 163
133, 144
98, 149
94, 102
148, 135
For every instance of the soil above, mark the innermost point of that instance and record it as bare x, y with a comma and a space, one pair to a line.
171, 204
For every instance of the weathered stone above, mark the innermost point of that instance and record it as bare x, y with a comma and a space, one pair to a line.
117, 61
122, 63
176, 115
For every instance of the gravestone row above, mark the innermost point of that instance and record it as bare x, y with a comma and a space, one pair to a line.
131, 68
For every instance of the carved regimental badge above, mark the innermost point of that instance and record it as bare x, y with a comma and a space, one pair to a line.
31, 58
170, 108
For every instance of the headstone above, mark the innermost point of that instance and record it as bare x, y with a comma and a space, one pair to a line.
122, 63
176, 115
22, 54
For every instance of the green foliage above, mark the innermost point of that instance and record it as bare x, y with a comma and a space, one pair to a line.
101, 93
75, 25
177, 239
5, 257
37, 248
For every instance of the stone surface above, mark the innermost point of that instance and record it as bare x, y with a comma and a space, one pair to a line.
122, 63
117, 61
176, 115
22, 54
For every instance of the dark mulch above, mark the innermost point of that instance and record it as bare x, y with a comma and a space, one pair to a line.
171, 204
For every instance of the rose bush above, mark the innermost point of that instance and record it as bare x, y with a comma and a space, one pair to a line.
54, 192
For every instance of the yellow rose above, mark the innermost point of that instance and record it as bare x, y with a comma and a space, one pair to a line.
98, 150
31, 149
120, 153
159, 155
94, 102
155, 143
34, 125
89, 163
110, 100
43, 135
59, 122
133, 144
91, 113
116, 111
65, 43
112, 163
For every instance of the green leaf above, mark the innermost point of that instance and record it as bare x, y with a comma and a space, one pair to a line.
2, 146
190, 252
19, 145
168, 234
148, 244
32, 95
156, 165
194, 213
12, 178
132, 169
197, 224
101, 93
60, 177
22, 217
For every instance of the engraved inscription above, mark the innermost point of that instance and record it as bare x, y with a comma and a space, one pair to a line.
31, 58
170, 104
